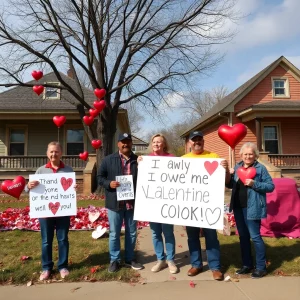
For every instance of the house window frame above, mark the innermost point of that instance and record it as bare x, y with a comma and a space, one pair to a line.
74, 127
279, 137
16, 126
58, 94
286, 87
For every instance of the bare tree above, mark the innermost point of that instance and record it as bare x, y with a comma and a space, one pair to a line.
135, 49
135, 116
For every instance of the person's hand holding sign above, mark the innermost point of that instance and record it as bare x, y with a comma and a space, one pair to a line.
32, 184
114, 184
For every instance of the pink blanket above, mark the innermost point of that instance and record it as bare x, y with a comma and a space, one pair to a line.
283, 208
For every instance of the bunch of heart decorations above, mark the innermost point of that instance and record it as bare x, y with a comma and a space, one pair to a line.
232, 135
59, 121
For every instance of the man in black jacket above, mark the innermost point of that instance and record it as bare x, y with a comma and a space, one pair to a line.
123, 162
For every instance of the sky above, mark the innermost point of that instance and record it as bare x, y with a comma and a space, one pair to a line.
268, 30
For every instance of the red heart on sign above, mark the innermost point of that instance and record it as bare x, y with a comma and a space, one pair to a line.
37, 74
99, 105
66, 183
100, 93
96, 144
88, 120
59, 120
211, 167
94, 112
232, 135
54, 207
246, 173
14, 187
38, 89
84, 156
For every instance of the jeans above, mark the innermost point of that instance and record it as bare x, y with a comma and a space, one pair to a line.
250, 229
212, 247
157, 230
115, 219
61, 225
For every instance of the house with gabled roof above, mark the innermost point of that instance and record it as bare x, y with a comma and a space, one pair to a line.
26, 128
269, 105
138, 145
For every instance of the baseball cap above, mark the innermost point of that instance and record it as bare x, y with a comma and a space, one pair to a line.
124, 136
194, 134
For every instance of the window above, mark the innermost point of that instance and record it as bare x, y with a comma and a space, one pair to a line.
16, 141
75, 142
51, 92
280, 87
271, 139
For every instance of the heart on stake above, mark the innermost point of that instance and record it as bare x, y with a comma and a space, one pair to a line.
94, 112
93, 216
88, 120
38, 89
232, 135
84, 156
211, 167
100, 93
66, 183
96, 144
14, 187
37, 74
96, 234
59, 120
54, 207
246, 173
99, 105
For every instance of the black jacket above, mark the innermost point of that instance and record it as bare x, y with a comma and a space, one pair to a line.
110, 168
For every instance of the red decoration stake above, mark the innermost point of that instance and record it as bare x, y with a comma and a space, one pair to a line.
37, 74
96, 144
14, 187
100, 93
38, 89
84, 156
232, 135
59, 120
88, 120
99, 105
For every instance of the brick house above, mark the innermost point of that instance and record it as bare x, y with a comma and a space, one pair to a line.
26, 127
269, 105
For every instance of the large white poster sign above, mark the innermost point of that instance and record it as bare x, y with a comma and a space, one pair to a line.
126, 190
180, 191
55, 196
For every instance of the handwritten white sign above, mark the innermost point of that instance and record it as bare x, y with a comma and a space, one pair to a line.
55, 196
126, 190
180, 191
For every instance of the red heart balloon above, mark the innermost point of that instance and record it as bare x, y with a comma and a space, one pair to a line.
100, 93
38, 89
59, 120
88, 120
96, 144
37, 74
14, 187
232, 135
84, 156
99, 105
94, 112
246, 173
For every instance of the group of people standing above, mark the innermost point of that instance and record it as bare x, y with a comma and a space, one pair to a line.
248, 203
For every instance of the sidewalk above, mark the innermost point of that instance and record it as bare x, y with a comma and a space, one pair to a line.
163, 285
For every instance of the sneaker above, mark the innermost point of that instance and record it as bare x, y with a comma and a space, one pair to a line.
45, 275
243, 270
161, 264
172, 267
114, 267
134, 265
258, 274
64, 273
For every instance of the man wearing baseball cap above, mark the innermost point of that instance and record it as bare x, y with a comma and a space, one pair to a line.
123, 162
196, 143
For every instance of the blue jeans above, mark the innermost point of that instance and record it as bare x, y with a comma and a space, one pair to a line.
250, 229
115, 219
157, 230
61, 225
212, 247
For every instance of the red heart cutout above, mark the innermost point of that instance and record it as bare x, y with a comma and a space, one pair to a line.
246, 173
94, 112
232, 135
211, 166
37, 74
84, 156
100, 93
96, 144
14, 187
54, 207
99, 105
66, 183
59, 120
38, 89
88, 120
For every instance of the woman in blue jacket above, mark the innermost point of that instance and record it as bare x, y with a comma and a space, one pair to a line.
248, 202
